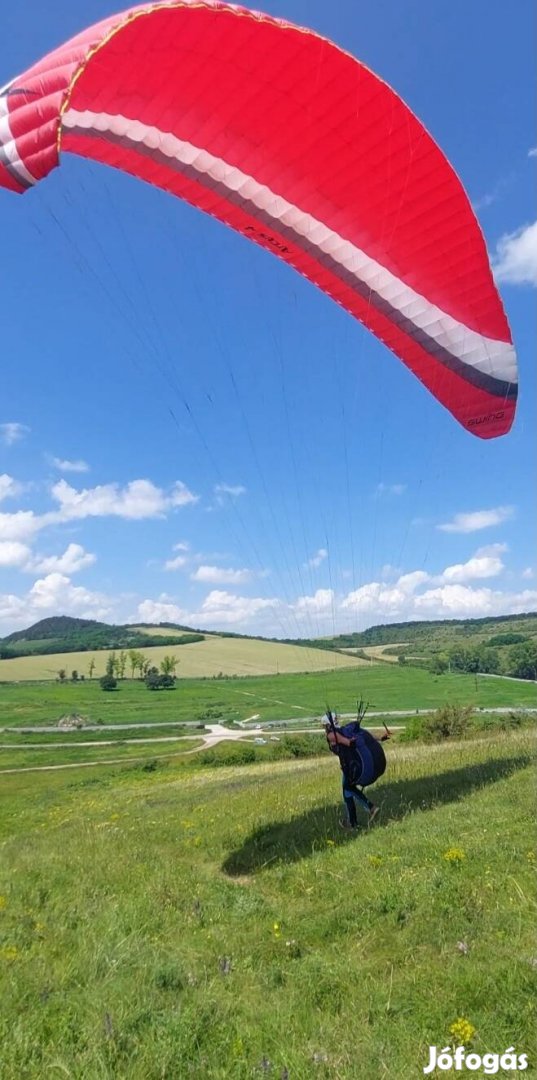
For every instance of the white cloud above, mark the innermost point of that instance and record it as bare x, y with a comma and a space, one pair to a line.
21, 525
73, 559
320, 555
70, 466
382, 599
218, 609
528, 573
137, 500
55, 592
233, 491
12, 432
179, 561
389, 489
377, 602
9, 487
222, 608
230, 489
321, 601
474, 520
13, 553
375, 597
492, 549
52, 595
175, 564
180, 495
486, 563
515, 260
217, 575
162, 610
461, 601
408, 583
532, 152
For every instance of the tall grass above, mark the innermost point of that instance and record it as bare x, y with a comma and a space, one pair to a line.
218, 923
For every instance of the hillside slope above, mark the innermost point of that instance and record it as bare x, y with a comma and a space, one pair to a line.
210, 656
179, 924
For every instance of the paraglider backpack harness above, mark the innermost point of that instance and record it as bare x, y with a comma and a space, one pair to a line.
364, 761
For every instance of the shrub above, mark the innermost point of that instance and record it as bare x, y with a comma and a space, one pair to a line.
447, 722
154, 681
107, 682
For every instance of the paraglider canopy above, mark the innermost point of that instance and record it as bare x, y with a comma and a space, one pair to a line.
292, 142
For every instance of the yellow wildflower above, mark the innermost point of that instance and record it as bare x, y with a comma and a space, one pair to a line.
330, 843
9, 953
374, 860
462, 1031
454, 855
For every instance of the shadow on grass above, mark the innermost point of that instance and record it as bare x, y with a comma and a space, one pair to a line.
297, 838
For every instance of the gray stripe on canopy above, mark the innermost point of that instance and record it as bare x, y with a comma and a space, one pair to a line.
12, 170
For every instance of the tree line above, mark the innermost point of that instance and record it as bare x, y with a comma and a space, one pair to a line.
517, 660
130, 662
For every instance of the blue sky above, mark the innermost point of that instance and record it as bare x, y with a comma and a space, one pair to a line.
191, 432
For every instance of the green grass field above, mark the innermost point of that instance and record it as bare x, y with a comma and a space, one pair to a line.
22, 757
217, 924
280, 697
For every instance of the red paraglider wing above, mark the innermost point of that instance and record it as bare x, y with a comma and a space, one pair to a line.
282, 135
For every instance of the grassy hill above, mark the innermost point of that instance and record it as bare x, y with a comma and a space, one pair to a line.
63, 633
433, 635
206, 657
177, 924
72, 644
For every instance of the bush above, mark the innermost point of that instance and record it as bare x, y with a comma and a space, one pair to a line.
507, 639
226, 754
107, 682
439, 665
448, 722
300, 746
154, 681
510, 720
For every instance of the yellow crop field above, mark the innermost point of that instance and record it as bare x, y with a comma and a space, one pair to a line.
231, 656
378, 652
162, 631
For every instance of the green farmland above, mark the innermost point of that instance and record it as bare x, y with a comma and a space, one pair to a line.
386, 687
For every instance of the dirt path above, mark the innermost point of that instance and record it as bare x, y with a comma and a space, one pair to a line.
217, 733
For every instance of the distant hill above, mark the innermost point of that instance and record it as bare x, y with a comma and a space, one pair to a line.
56, 627
433, 634
494, 645
63, 633
491, 644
